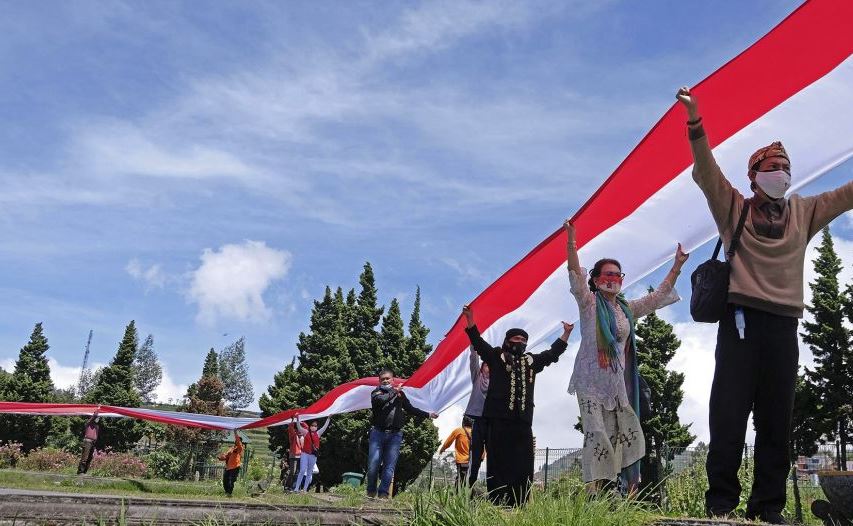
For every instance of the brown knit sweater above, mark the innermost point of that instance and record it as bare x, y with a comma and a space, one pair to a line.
767, 273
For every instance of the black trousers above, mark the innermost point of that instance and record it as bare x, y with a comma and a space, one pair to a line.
509, 471
479, 432
86, 456
755, 374
229, 477
461, 475
292, 473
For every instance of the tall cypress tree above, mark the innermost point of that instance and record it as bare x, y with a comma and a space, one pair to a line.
656, 346
324, 361
147, 371
830, 343
234, 373
211, 364
365, 315
280, 396
417, 347
392, 338
115, 387
30, 382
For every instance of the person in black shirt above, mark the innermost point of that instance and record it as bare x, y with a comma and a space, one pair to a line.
389, 405
509, 408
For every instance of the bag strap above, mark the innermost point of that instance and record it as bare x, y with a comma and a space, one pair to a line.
736, 237
730, 253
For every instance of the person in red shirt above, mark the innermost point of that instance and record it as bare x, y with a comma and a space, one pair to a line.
310, 448
294, 455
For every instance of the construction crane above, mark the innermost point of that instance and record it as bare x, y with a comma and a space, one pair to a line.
85, 365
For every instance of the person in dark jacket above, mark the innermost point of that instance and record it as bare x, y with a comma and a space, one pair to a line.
389, 405
90, 436
509, 408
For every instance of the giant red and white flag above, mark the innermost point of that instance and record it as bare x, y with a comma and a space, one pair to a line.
794, 84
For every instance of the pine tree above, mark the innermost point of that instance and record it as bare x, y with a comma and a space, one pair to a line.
365, 315
324, 362
417, 347
30, 382
147, 372
234, 373
4, 380
830, 343
656, 346
280, 396
392, 338
808, 418
115, 386
211, 364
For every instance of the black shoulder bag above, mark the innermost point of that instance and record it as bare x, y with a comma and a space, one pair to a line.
710, 280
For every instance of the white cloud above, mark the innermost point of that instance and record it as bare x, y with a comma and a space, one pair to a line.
65, 376
169, 389
153, 276
230, 283
120, 148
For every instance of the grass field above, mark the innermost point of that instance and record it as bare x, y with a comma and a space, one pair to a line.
564, 503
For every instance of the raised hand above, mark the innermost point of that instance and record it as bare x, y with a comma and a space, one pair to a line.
570, 230
689, 101
469, 315
680, 256
567, 330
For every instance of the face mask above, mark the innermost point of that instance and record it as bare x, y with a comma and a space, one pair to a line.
613, 286
517, 348
774, 183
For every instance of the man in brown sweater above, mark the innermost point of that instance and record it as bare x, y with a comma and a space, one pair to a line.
757, 372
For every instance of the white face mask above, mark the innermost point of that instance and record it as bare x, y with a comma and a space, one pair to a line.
611, 286
774, 183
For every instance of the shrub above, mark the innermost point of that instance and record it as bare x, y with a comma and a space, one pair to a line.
165, 464
48, 459
112, 464
256, 469
10, 453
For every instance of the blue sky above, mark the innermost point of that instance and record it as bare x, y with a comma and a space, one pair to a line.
151, 148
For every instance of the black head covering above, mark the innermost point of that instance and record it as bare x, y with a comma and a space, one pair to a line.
515, 332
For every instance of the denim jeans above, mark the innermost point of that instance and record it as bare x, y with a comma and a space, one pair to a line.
384, 450
306, 471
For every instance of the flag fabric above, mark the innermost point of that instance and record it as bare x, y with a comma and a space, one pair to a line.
794, 84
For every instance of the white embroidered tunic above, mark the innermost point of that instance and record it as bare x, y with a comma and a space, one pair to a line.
589, 380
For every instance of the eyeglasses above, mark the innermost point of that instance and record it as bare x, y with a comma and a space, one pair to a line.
613, 274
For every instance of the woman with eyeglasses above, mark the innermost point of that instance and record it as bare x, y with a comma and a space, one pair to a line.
605, 377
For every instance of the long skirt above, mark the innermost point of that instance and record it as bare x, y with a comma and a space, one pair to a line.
509, 469
613, 439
